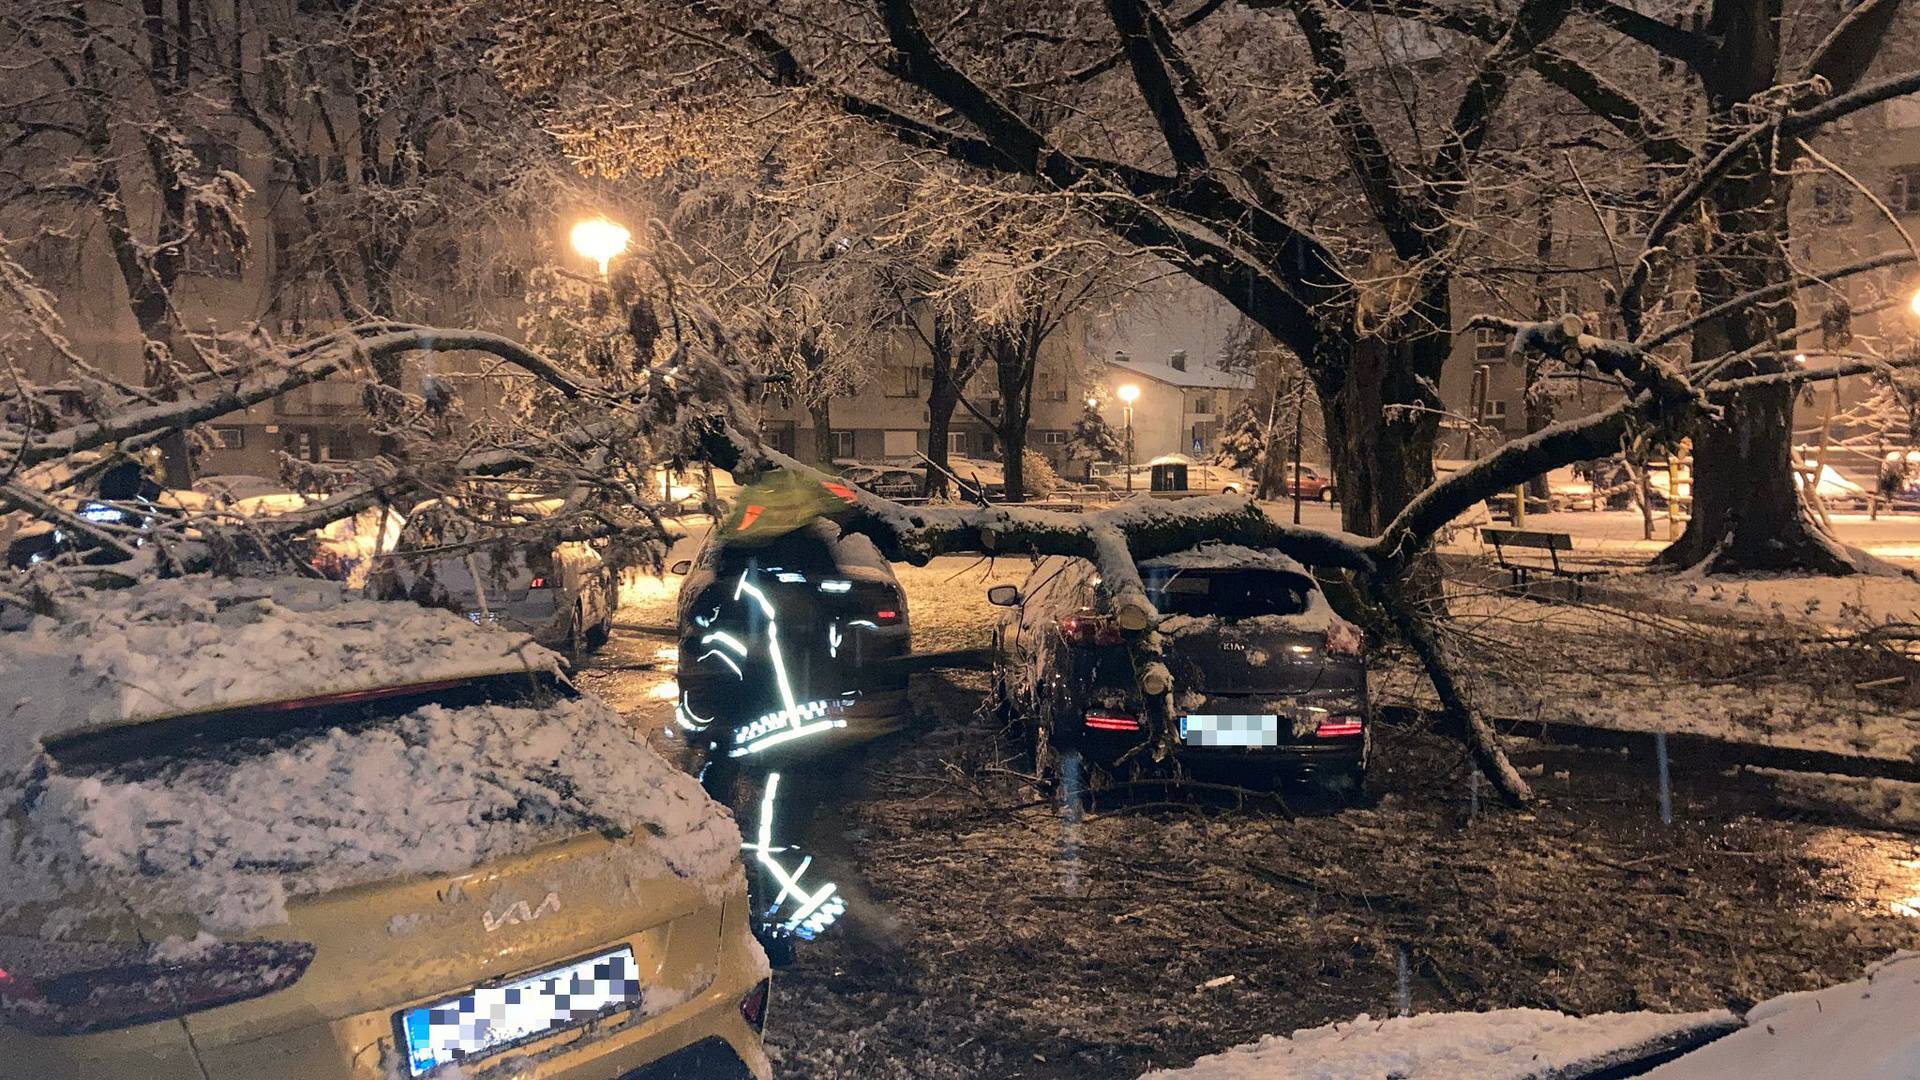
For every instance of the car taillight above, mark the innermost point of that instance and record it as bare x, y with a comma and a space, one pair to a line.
1086, 628
1345, 639
1111, 721
537, 583
753, 1007
887, 615
75, 988
1340, 727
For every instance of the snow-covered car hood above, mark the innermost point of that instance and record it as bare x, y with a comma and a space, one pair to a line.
198, 644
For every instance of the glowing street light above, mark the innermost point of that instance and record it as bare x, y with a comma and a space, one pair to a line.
1128, 394
1914, 304
600, 240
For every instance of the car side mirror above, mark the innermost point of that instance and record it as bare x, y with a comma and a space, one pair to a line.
683, 567
1003, 596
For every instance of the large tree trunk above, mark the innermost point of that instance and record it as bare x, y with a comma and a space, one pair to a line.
1747, 511
1013, 445
821, 412
941, 401
1383, 456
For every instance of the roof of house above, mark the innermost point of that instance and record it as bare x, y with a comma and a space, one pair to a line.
1195, 377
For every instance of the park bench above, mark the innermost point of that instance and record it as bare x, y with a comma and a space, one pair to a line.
1553, 543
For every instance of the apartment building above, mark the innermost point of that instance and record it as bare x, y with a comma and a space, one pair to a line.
1180, 407
1834, 223
886, 420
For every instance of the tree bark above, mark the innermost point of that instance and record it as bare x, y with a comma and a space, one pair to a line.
822, 413
1382, 412
1747, 512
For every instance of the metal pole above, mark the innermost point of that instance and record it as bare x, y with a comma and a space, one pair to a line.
1666, 786
1129, 449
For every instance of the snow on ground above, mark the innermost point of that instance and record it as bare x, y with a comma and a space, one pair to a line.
1578, 665
1895, 802
1850, 602
1868, 1029
197, 643
1620, 535
1507, 1044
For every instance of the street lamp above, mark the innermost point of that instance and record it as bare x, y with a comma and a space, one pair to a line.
1129, 394
1914, 304
600, 240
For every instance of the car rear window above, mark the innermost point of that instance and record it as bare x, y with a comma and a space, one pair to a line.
137, 750
1230, 594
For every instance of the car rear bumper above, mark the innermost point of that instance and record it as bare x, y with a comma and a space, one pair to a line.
363, 1047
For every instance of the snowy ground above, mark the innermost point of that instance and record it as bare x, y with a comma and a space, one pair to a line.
1863, 1029
1506, 1044
1619, 535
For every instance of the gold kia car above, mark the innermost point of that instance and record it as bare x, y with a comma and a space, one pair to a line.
263, 829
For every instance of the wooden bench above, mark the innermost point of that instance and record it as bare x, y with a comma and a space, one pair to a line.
1553, 543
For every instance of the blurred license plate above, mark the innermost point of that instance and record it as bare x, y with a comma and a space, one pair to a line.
1244, 729
489, 1019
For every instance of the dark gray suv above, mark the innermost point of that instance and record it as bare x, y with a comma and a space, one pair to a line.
1269, 682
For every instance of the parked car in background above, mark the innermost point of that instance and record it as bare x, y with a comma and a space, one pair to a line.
799, 627
1270, 682
340, 839
886, 481
1309, 482
562, 595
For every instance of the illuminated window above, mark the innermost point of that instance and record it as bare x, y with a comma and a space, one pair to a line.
229, 438
843, 444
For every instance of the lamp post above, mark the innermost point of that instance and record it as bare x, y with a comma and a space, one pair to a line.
1129, 394
600, 240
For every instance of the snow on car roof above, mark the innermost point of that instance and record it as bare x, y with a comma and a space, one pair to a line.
1217, 556
231, 841
230, 838
199, 643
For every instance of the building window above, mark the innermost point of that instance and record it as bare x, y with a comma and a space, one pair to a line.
226, 437
337, 445
1053, 438
1832, 201
843, 444
1905, 193
902, 381
1489, 345
957, 442
1496, 413
1202, 404
298, 444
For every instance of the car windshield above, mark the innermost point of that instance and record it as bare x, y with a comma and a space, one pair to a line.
1231, 594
